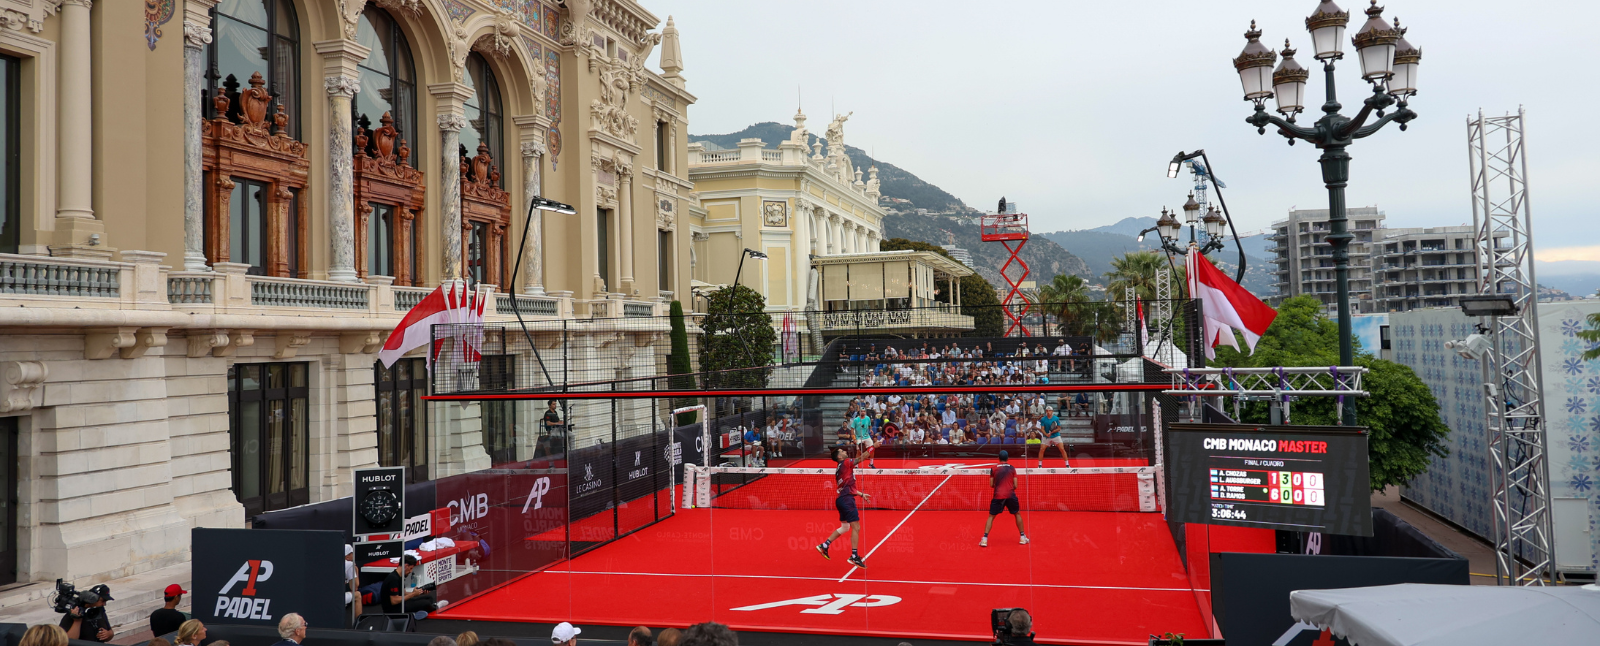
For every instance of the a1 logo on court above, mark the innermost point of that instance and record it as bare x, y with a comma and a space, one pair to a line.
829, 604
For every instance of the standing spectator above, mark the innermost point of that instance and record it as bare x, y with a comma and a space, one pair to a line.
553, 440
166, 619
673, 636
90, 623
640, 636
292, 628
565, 634
709, 634
44, 635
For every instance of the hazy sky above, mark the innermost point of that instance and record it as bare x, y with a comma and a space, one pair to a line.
1074, 108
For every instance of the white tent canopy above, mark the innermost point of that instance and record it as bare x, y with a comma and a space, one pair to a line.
1414, 614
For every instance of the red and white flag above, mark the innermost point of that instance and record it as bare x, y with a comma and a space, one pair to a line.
449, 303
1144, 331
1228, 307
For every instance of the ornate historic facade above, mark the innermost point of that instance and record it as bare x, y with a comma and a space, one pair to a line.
208, 237
792, 203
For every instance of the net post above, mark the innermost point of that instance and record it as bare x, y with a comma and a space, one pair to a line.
1161, 471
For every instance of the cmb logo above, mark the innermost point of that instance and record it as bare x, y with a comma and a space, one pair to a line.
470, 508
245, 606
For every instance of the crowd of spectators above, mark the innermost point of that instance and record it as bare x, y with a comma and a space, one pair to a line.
962, 419
975, 365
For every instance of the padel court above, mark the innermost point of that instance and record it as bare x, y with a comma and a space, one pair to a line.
1097, 570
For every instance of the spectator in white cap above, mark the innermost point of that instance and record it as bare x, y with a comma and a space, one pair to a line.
565, 634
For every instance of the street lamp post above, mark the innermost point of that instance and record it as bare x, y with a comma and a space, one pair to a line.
1388, 62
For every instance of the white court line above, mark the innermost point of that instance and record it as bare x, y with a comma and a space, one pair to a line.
897, 527
828, 578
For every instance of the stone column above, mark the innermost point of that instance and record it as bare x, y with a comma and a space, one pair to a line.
533, 250
341, 82
78, 233
625, 227
451, 99
196, 35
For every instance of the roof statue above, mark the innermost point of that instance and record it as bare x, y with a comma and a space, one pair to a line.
799, 134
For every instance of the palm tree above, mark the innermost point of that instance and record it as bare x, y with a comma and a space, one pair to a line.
1064, 297
1139, 270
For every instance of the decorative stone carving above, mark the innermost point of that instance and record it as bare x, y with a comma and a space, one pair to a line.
609, 113
143, 340
196, 35
289, 341
486, 203
452, 121
350, 16
202, 342
534, 148
382, 174
366, 342
502, 40
775, 214
236, 339
244, 142
605, 197
345, 86
101, 343
22, 385
666, 212
27, 14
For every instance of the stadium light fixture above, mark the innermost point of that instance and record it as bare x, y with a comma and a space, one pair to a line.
1489, 305
545, 204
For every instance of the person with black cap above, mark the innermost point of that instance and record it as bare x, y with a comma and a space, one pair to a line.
89, 622
1003, 477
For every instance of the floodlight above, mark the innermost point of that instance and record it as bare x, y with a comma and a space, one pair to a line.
1489, 305
544, 204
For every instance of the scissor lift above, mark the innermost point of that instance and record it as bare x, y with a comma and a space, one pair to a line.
1011, 230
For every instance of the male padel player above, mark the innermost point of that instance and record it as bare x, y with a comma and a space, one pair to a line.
844, 479
863, 431
1052, 432
1003, 477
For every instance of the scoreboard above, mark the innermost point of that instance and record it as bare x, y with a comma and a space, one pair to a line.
1301, 478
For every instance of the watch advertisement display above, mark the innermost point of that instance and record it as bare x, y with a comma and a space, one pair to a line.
380, 501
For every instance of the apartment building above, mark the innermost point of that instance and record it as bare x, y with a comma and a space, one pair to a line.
1424, 267
1304, 263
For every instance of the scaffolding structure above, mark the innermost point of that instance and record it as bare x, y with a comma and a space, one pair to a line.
1514, 401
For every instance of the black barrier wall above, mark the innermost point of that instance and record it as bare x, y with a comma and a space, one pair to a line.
255, 576
1250, 592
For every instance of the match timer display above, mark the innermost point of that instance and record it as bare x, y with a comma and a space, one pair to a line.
1303, 478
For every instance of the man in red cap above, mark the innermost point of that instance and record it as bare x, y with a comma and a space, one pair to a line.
165, 620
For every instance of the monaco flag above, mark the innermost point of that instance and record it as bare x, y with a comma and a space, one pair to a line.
447, 303
1228, 307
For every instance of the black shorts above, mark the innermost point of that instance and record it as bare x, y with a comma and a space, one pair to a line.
1009, 504
847, 509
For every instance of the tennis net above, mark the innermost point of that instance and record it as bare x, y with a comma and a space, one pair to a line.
928, 488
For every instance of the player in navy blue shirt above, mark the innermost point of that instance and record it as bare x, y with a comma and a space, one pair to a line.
844, 480
1003, 477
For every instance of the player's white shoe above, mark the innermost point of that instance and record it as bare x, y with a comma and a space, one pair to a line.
983, 542
1024, 540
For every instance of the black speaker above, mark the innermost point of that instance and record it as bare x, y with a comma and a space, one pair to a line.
395, 623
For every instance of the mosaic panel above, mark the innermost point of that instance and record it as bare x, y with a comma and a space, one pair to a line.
535, 52
552, 67
156, 14
458, 11
659, 97
552, 23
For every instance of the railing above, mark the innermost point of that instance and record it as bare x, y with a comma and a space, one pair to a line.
274, 292
527, 305
772, 156
879, 319
718, 156
54, 278
406, 298
638, 310
190, 288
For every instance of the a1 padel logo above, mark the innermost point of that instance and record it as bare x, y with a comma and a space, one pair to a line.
829, 604
244, 607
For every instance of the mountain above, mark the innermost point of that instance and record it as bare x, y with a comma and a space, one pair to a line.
1127, 226
894, 182
1045, 258
1577, 277
1100, 245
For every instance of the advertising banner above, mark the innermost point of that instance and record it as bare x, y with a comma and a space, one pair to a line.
379, 501
256, 576
1301, 478
517, 517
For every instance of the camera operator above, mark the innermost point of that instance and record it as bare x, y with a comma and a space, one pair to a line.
88, 621
1021, 633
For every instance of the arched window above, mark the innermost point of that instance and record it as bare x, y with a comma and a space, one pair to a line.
254, 162
388, 78
484, 120
257, 36
388, 183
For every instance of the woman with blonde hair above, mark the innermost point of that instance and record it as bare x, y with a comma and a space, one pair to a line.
191, 633
44, 635
468, 638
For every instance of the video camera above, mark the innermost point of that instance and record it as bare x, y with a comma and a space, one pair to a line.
67, 597
1000, 623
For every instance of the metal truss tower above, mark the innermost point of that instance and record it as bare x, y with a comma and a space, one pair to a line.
1514, 400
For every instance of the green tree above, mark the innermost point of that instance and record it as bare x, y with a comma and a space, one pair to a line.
978, 298
1592, 335
678, 364
736, 339
1067, 298
1139, 270
1402, 413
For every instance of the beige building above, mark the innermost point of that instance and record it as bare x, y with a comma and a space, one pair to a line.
889, 292
791, 204
214, 211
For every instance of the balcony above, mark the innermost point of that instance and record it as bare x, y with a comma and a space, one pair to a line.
138, 293
893, 320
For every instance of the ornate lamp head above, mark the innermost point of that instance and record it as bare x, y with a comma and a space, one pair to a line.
1254, 65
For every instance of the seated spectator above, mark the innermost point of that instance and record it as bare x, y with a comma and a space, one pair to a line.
709, 634
43, 635
673, 636
640, 636
565, 634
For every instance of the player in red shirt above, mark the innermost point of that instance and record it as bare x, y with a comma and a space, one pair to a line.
1003, 477
844, 480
